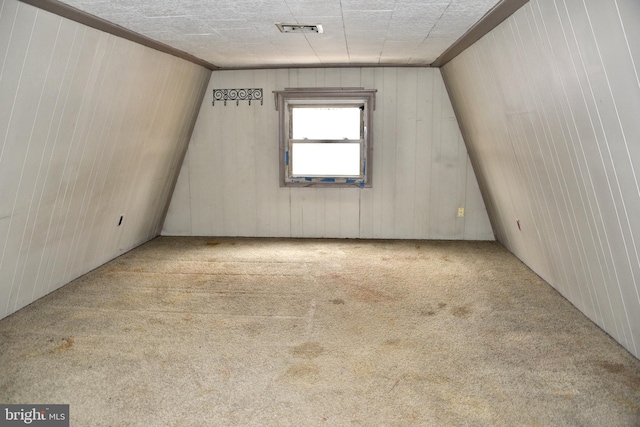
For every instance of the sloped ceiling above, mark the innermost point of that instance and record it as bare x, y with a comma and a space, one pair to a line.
242, 33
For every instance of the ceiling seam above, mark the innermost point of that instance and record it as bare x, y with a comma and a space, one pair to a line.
395, 3
431, 29
344, 31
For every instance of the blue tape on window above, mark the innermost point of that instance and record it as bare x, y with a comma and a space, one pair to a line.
351, 181
308, 179
286, 158
328, 180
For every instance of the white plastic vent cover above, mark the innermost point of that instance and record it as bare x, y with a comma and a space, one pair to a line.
299, 28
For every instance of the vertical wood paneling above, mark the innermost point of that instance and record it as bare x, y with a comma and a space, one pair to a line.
475, 212
89, 127
436, 160
27, 181
389, 98
246, 161
548, 105
420, 174
173, 128
423, 158
182, 224
405, 152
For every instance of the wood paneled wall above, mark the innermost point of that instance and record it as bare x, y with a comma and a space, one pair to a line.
228, 185
549, 105
92, 127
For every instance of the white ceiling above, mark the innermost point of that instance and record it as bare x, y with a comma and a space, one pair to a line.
242, 33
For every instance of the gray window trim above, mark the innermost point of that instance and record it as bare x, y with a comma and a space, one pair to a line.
284, 99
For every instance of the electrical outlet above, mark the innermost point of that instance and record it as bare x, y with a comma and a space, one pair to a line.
460, 212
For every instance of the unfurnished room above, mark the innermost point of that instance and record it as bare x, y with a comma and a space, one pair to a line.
319, 213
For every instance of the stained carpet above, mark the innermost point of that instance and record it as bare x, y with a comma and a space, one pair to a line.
273, 332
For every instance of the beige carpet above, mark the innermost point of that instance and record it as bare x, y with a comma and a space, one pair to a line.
271, 332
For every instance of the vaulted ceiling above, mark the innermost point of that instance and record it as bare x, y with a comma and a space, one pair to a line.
243, 33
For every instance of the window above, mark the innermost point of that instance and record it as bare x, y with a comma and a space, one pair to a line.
325, 136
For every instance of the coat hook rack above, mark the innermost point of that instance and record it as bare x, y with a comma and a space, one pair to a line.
252, 94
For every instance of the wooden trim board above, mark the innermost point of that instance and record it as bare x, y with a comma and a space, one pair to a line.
492, 19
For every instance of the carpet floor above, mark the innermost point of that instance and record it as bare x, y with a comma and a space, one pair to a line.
292, 332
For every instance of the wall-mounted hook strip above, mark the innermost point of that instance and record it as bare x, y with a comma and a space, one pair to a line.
224, 95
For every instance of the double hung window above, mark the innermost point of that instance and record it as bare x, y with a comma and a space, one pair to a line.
325, 136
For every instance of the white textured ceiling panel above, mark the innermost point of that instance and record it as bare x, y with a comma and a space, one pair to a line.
242, 33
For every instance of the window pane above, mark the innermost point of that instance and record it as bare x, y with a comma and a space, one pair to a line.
326, 123
325, 159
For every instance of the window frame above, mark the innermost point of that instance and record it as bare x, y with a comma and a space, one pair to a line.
324, 97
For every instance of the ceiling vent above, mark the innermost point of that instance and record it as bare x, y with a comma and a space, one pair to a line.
299, 28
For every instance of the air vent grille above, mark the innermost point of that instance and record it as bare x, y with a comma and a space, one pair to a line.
299, 28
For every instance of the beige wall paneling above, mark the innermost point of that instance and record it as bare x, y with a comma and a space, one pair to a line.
449, 167
248, 163
420, 174
177, 129
279, 199
23, 83
479, 226
575, 171
229, 171
181, 226
89, 130
386, 148
548, 104
546, 170
405, 187
424, 131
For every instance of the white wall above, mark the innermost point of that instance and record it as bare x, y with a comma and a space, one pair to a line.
228, 185
91, 127
549, 104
